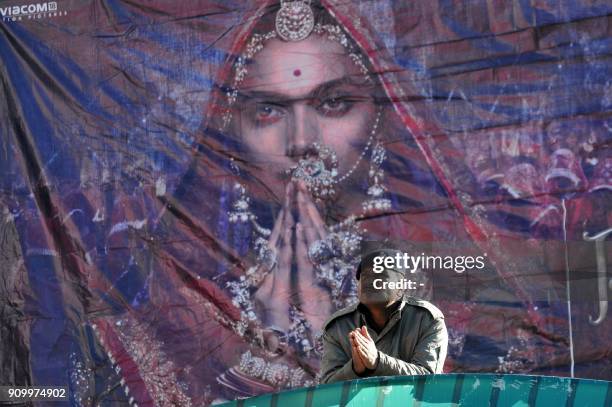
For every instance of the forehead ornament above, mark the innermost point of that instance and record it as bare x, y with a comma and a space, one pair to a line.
294, 20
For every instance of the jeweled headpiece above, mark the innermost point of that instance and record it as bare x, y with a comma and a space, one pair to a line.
294, 20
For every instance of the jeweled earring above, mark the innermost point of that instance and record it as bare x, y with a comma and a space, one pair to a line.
241, 213
376, 175
240, 207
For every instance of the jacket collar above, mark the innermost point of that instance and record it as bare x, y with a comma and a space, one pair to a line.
366, 319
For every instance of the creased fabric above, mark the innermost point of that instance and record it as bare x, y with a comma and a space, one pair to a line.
119, 254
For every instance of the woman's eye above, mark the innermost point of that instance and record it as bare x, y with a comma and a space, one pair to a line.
335, 106
266, 113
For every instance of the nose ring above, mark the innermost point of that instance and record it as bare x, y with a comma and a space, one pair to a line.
319, 171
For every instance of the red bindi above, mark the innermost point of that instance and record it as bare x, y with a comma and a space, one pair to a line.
297, 72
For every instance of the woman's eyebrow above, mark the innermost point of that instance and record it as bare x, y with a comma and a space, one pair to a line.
349, 80
317, 92
264, 96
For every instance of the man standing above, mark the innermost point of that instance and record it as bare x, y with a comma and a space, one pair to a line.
385, 334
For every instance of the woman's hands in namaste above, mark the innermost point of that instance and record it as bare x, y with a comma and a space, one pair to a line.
293, 280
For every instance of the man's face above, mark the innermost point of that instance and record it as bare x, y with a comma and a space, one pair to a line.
370, 295
299, 93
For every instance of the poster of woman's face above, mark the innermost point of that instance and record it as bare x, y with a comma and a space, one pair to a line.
299, 94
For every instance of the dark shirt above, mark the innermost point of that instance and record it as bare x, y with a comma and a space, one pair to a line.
368, 320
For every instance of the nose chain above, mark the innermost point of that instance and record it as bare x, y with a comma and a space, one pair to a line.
365, 149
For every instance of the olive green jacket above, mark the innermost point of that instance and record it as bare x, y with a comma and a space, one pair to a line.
413, 342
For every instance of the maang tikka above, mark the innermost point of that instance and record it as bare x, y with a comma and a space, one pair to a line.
294, 20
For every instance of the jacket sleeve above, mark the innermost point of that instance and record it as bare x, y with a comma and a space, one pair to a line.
429, 354
336, 365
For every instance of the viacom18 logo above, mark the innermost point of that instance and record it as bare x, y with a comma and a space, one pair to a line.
31, 11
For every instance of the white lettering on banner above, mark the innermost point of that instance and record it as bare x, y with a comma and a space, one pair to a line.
38, 10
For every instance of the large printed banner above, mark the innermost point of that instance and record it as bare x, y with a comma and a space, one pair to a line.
186, 185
